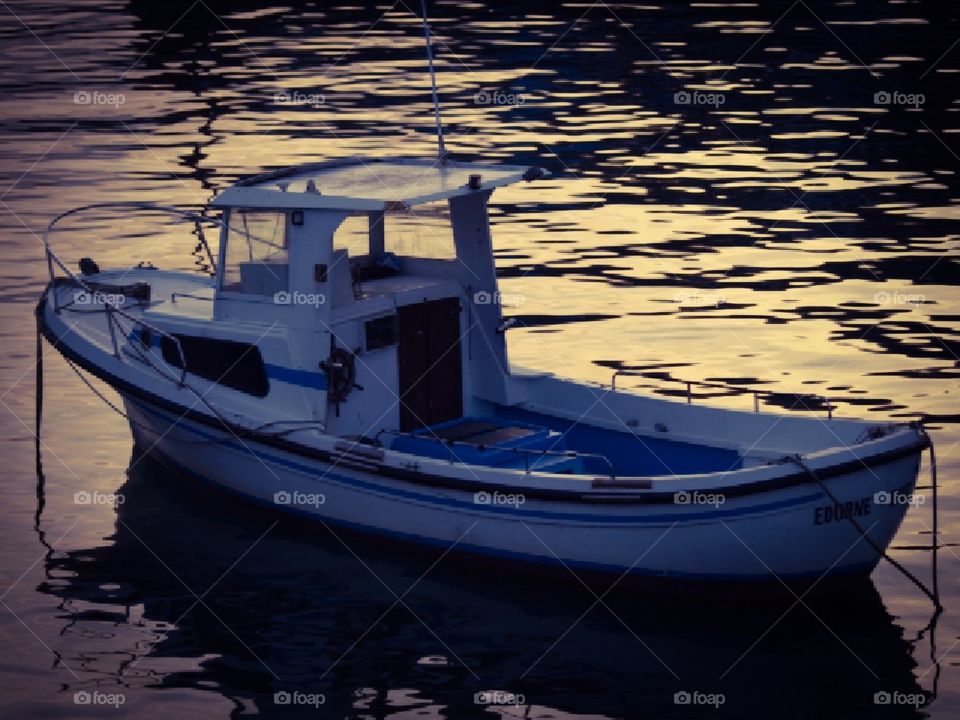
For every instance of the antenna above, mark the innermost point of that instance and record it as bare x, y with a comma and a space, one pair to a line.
441, 150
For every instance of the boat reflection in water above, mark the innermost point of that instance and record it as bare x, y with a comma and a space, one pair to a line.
285, 613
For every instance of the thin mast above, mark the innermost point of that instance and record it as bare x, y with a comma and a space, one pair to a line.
441, 150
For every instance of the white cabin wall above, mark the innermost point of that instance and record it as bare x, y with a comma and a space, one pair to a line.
367, 411
310, 245
307, 315
482, 313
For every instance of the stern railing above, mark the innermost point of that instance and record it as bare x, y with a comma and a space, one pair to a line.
823, 401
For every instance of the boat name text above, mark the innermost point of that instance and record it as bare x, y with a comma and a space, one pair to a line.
824, 514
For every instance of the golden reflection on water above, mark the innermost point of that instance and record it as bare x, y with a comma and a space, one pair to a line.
797, 235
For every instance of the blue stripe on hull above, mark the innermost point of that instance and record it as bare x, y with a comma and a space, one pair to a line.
293, 376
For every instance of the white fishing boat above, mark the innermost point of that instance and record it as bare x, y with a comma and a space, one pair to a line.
347, 362
367, 386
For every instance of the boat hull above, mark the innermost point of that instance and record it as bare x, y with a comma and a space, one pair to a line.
792, 533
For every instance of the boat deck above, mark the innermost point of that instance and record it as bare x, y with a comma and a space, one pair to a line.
492, 442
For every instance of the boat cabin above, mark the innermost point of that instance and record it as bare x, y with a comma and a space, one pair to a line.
380, 275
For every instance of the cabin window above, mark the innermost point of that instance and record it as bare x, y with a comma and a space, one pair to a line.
381, 332
255, 260
236, 365
423, 231
353, 235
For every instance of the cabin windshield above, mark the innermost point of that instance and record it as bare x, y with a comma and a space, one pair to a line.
255, 259
423, 231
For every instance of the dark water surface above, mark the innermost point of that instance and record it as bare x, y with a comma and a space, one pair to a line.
786, 227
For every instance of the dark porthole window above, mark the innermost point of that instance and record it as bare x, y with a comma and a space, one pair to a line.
381, 332
234, 364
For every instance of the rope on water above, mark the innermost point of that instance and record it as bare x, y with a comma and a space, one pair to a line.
933, 595
935, 543
38, 415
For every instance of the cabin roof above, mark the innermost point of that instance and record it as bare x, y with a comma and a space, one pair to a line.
365, 184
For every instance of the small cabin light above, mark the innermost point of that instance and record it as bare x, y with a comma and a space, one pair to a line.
296, 217
474, 182
312, 186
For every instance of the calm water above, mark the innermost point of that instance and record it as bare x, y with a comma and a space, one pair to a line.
786, 226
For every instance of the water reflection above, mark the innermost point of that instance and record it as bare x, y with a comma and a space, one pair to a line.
800, 200
799, 236
231, 602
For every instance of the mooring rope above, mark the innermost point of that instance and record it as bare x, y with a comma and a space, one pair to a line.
933, 595
936, 514
38, 415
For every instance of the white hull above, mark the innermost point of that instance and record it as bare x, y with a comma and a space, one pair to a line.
788, 531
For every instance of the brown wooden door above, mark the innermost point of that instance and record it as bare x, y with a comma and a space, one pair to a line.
431, 382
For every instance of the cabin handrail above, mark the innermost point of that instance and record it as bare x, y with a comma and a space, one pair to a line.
111, 320
739, 389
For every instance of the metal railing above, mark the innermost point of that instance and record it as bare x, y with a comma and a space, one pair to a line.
821, 400
113, 311
112, 320
196, 218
